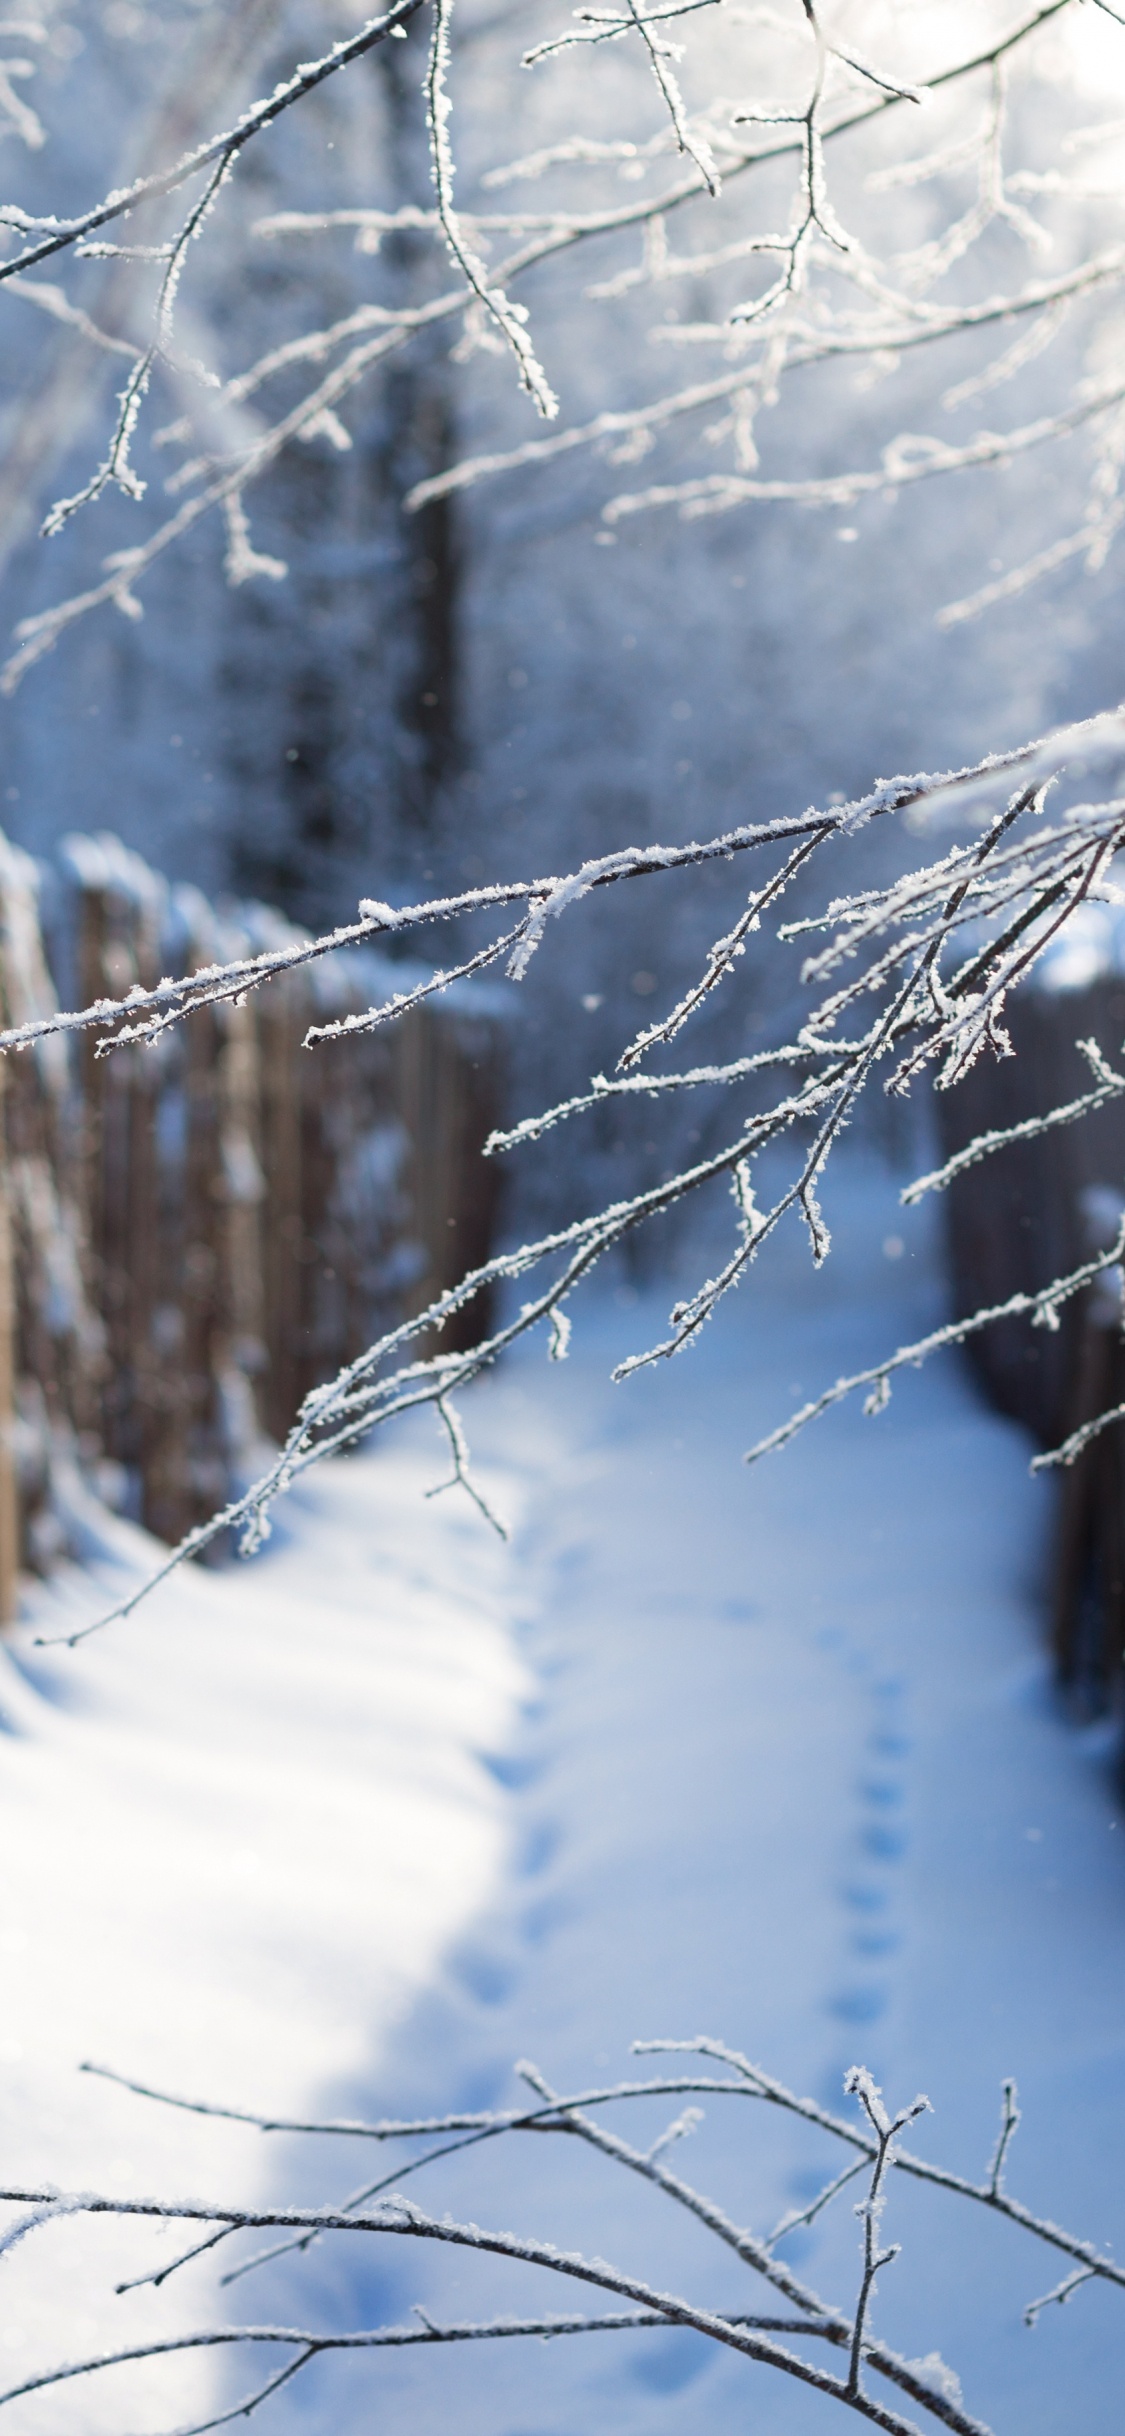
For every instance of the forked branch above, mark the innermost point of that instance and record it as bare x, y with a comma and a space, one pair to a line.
773, 2337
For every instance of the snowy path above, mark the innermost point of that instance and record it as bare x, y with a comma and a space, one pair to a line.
794, 1778
787, 1769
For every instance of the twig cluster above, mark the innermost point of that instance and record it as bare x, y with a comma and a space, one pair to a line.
380, 2207
906, 980
837, 285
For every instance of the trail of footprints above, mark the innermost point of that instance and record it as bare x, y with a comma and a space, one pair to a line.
873, 1848
879, 1842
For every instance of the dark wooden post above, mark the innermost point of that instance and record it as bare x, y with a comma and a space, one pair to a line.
115, 934
282, 1016
57, 1345
210, 1317
449, 1080
355, 1150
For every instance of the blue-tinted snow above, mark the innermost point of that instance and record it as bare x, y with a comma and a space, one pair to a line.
769, 1754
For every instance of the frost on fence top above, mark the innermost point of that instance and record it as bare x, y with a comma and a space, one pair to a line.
190, 928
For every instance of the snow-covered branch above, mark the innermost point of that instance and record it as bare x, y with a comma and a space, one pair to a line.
379, 2211
828, 125
919, 970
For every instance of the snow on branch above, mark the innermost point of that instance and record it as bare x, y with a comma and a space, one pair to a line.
605, 25
776, 100
919, 971
59, 235
509, 318
793, 2311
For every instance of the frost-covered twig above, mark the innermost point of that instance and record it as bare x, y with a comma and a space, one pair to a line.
61, 234
403, 2220
1008, 2129
461, 1476
606, 25
989, 2194
750, 2082
906, 335
925, 963
144, 1014
859, 2083
509, 318
381, 2212
1079, 1439
830, 294
1061, 2292
1109, 1087
1042, 1308
116, 467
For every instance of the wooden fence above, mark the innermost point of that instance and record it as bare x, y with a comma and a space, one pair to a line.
193, 1234
1026, 1214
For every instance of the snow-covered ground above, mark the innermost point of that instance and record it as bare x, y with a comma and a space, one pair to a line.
240, 1831
771, 1754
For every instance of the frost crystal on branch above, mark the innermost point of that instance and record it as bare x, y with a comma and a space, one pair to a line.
808, 128
920, 970
380, 2210
884, 249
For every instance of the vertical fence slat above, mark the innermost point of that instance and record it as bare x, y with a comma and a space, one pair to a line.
282, 1019
114, 926
58, 1342
448, 1088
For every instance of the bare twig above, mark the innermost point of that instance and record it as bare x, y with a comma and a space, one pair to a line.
379, 2211
986, 911
801, 317
64, 233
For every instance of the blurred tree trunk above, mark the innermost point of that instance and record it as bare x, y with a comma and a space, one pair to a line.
343, 681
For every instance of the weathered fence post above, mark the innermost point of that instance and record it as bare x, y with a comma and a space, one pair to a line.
449, 1090
114, 939
58, 1343
283, 1014
208, 1323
